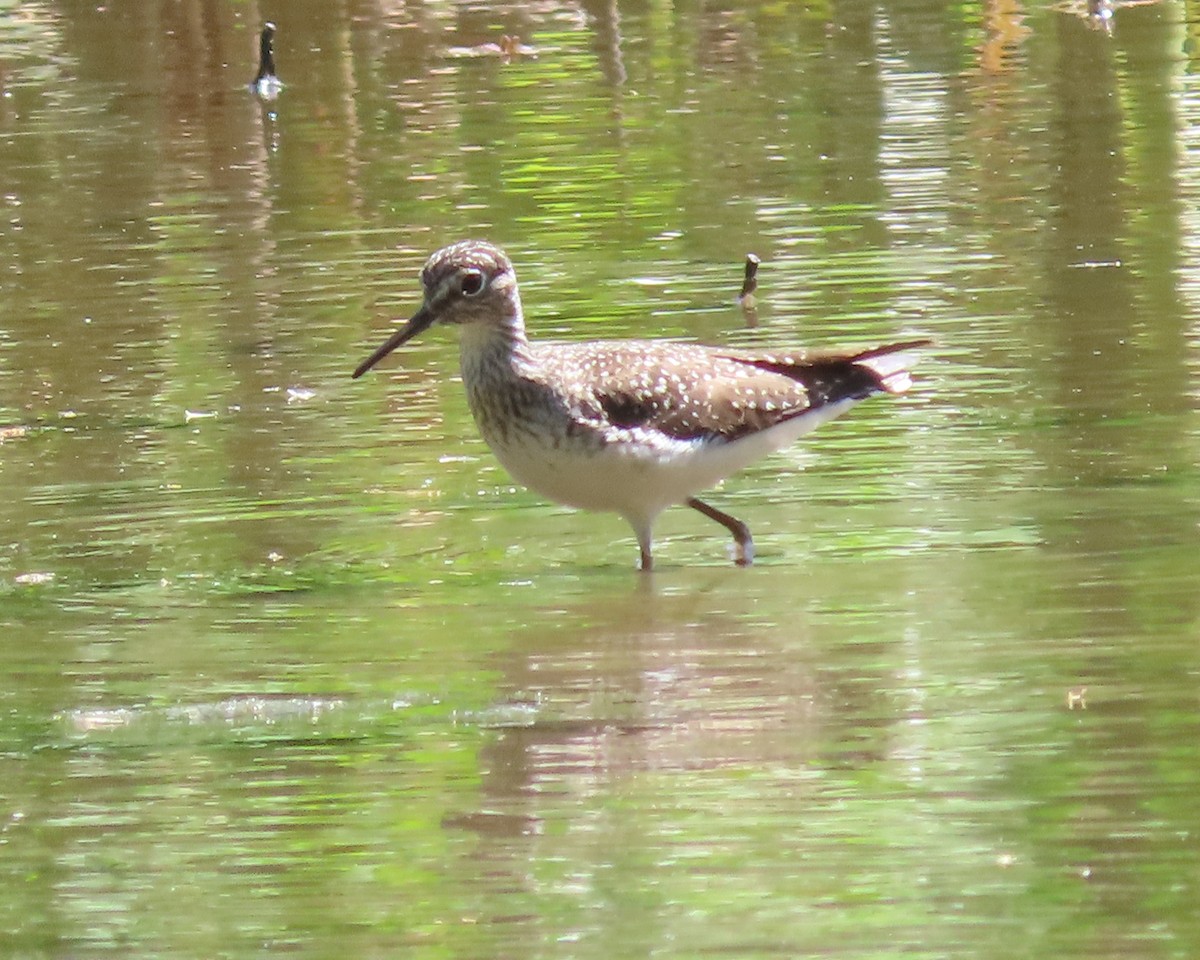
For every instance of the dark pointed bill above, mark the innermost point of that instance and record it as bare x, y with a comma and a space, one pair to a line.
421, 320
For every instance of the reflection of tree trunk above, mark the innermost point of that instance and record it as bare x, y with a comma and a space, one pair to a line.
1088, 281
1004, 32
1114, 333
1109, 249
606, 25
851, 101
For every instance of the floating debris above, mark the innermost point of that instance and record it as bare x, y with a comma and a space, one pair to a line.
253, 709
508, 48
1098, 14
299, 394
33, 579
250, 716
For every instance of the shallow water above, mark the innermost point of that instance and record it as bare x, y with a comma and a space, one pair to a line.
293, 666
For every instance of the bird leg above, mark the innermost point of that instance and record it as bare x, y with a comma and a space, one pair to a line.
743, 552
645, 541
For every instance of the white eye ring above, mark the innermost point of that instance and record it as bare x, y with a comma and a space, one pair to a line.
472, 283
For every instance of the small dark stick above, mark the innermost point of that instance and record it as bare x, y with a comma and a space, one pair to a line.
749, 285
266, 84
750, 281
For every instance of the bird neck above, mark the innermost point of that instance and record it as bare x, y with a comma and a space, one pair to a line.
497, 350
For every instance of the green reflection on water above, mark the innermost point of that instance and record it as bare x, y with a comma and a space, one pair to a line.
293, 666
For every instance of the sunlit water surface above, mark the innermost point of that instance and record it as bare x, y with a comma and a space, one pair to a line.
292, 666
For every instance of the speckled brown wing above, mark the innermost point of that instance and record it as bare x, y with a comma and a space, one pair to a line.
655, 385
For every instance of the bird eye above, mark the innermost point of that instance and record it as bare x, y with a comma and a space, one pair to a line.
472, 283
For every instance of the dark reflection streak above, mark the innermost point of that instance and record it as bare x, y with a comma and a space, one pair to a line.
851, 100
1116, 383
605, 18
1089, 270
231, 156
1156, 224
1090, 301
483, 97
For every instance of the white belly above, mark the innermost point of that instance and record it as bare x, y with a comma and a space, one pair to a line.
649, 472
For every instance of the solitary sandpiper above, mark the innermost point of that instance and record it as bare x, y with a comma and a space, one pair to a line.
630, 426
